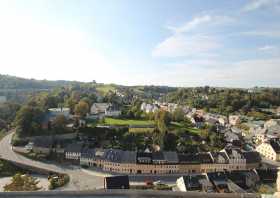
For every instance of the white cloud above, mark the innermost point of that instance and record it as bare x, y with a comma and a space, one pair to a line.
181, 46
258, 4
183, 43
198, 21
267, 48
192, 24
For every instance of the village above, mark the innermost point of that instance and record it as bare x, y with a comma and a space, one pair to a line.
236, 167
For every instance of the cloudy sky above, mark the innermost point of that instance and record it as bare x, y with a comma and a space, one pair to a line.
234, 43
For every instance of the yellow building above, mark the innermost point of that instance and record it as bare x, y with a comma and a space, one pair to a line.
270, 150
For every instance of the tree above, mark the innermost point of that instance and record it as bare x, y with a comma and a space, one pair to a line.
82, 108
170, 142
28, 120
22, 183
59, 123
178, 115
162, 119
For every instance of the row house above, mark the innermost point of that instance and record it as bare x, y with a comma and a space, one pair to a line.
130, 162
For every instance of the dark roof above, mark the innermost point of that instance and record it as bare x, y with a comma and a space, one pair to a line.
88, 153
46, 142
252, 157
113, 155
198, 119
217, 155
128, 157
234, 153
192, 182
116, 182
205, 158
144, 154
238, 178
171, 156
217, 176
158, 155
189, 158
267, 175
275, 145
74, 148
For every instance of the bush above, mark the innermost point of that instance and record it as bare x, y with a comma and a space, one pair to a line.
56, 181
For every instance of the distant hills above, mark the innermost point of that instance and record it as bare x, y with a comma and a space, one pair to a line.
13, 82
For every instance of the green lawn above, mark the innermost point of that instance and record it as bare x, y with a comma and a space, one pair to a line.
181, 125
105, 88
113, 121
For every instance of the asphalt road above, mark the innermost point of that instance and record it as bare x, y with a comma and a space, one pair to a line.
79, 180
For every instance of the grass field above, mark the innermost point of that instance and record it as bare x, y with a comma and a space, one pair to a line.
105, 88
177, 125
113, 121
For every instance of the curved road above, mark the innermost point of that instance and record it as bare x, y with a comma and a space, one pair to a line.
79, 180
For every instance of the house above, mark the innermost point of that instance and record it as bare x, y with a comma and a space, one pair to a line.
272, 131
230, 136
194, 183
197, 121
244, 179
267, 176
73, 151
219, 157
99, 108
144, 157
42, 146
148, 108
270, 149
59, 111
112, 111
222, 120
219, 181
116, 182
235, 158
234, 120
271, 122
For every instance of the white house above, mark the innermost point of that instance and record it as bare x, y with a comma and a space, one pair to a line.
112, 112
270, 150
59, 111
99, 108
234, 120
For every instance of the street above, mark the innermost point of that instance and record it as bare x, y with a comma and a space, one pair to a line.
79, 180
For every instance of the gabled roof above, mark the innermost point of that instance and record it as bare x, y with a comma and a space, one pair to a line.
252, 157
275, 143
128, 157
171, 156
158, 155
74, 148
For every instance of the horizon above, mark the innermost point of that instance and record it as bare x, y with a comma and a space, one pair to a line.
139, 85
232, 44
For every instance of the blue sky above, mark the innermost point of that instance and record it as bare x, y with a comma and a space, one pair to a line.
234, 43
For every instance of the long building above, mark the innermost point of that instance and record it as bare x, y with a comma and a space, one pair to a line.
130, 162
